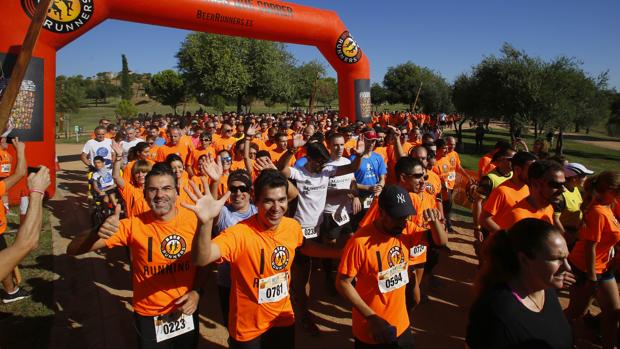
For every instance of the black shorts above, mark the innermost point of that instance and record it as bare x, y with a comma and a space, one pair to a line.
404, 341
581, 276
330, 230
275, 337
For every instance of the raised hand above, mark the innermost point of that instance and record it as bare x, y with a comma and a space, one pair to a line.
263, 164
213, 169
298, 141
39, 180
116, 148
20, 147
205, 207
251, 131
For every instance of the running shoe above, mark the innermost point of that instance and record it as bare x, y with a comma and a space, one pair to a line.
19, 295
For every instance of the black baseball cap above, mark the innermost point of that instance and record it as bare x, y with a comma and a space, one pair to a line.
395, 200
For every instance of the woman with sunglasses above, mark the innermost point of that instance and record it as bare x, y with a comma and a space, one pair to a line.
592, 254
205, 148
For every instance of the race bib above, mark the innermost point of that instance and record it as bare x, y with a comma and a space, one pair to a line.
393, 278
310, 233
417, 251
172, 325
451, 176
273, 288
342, 218
367, 202
6, 168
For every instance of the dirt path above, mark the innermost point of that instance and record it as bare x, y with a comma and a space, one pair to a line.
93, 296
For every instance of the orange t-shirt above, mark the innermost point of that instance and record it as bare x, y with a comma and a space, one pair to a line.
6, 167
348, 145
192, 159
504, 197
433, 183
366, 254
484, 165
255, 254
601, 226
275, 157
3, 220
224, 144
522, 210
446, 168
135, 203
162, 270
179, 149
153, 152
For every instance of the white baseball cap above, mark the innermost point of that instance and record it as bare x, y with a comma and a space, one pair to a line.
576, 169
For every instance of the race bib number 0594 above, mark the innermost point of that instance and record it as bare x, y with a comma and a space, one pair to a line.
172, 325
393, 278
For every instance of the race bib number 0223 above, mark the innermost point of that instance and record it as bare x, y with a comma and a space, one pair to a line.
172, 325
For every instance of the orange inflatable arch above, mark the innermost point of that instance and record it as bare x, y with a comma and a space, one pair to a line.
34, 116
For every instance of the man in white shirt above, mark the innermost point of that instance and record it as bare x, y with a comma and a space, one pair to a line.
130, 142
99, 146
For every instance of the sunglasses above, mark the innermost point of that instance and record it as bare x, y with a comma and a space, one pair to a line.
206, 139
556, 185
227, 159
227, 130
240, 189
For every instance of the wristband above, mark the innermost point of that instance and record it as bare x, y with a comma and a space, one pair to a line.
37, 191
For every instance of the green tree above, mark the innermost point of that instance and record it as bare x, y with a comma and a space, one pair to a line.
404, 80
326, 91
125, 80
69, 94
235, 68
378, 95
305, 78
126, 109
168, 88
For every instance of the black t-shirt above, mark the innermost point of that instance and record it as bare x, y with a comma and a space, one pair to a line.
499, 320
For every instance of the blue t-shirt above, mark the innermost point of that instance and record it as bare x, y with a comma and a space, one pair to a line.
371, 169
228, 218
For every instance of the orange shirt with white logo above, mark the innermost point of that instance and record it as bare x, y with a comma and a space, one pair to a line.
522, 210
254, 254
6, 167
162, 270
600, 226
367, 253
446, 168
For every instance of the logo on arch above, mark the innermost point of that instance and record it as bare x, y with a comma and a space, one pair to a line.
347, 49
279, 258
63, 16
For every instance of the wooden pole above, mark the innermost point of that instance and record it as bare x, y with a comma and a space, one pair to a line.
17, 75
417, 95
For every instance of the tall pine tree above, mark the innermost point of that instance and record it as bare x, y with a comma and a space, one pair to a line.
125, 81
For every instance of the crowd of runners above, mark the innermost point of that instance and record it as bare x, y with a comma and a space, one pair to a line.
270, 199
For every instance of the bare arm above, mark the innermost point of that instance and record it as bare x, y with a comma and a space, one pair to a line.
84, 158
27, 238
20, 168
590, 254
345, 288
488, 223
284, 162
116, 166
438, 233
87, 242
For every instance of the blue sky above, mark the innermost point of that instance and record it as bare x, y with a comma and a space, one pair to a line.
446, 36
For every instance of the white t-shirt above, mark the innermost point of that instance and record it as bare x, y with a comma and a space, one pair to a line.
312, 189
336, 198
128, 145
104, 149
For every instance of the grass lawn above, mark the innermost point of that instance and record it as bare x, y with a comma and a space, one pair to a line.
593, 157
27, 323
